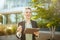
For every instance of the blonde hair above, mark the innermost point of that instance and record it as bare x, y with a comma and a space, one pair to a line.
25, 9
28, 8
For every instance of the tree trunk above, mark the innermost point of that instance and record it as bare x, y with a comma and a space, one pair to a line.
52, 32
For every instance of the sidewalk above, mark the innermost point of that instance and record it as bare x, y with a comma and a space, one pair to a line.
44, 35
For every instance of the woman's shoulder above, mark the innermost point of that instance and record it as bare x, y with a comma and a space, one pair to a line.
33, 21
21, 22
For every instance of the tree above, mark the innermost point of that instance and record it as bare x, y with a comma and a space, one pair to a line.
50, 14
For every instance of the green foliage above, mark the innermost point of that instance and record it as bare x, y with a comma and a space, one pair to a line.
51, 16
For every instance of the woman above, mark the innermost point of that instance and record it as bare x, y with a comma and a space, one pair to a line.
27, 23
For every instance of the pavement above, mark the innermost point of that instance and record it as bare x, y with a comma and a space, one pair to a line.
44, 35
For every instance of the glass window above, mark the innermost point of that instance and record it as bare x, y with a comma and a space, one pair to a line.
12, 18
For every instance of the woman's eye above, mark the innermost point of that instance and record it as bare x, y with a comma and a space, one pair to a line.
26, 12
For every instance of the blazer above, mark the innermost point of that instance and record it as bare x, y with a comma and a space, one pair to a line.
34, 25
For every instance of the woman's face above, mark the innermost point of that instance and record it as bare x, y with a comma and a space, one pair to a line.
27, 14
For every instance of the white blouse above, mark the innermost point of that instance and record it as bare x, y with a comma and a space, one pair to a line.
28, 36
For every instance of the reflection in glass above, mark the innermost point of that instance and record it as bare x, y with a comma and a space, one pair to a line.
12, 18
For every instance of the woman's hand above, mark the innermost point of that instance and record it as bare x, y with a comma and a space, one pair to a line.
36, 33
19, 29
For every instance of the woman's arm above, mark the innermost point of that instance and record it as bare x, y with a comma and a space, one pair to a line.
36, 33
19, 30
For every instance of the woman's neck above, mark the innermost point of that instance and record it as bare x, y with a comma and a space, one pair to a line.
27, 20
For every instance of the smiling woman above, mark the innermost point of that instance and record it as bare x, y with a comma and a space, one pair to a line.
27, 23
